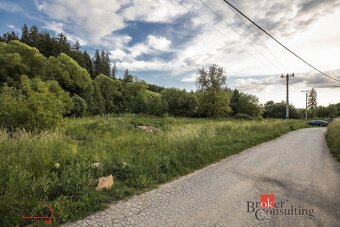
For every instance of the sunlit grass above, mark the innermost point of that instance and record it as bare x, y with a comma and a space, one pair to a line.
56, 167
332, 138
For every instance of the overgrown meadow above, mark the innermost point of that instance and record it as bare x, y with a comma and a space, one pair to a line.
57, 167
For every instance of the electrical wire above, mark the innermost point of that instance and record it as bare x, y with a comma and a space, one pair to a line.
258, 51
221, 33
259, 27
263, 44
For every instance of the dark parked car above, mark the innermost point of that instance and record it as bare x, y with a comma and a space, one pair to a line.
319, 123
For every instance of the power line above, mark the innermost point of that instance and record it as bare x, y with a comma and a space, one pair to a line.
263, 44
279, 41
221, 33
270, 62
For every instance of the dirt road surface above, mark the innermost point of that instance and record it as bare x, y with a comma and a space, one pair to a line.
297, 168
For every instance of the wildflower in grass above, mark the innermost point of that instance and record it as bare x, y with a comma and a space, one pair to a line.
96, 165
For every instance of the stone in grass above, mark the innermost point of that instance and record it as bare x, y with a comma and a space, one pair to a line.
104, 183
150, 129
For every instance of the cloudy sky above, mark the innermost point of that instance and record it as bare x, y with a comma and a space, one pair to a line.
165, 41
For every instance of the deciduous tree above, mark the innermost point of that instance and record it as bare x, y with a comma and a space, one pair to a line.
213, 98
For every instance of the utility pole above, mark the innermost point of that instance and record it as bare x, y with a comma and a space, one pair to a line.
306, 91
287, 93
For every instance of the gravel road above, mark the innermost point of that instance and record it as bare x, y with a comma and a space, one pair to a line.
297, 168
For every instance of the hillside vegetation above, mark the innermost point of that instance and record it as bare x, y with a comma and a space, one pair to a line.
58, 167
333, 138
44, 79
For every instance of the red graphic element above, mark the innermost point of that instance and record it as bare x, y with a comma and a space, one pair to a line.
48, 219
267, 201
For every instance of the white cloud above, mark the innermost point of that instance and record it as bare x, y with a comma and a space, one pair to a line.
115, 41
191, 78
251, 84
58, 28
163, 11
13, 28
118, 54
98, 20
54, 26
92, 20
153, 45
138, 65
306, 80
158, 43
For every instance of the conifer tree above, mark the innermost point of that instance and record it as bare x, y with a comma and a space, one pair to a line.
96, 63
25, 35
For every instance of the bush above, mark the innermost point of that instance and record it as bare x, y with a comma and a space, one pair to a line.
79, 106
180, 102
18, 59
214, 104
332, 138
71, 76
278, 110
243, 116
155, 104
34, 105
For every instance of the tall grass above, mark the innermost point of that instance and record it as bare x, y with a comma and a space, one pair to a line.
56, 167
333, 138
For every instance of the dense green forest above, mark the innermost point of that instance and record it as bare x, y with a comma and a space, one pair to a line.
44, 78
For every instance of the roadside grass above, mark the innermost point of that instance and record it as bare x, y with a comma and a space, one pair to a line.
333, 138
56, 167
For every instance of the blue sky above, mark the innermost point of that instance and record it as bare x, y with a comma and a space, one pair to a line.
162, 42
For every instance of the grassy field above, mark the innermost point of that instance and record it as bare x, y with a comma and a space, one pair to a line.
333, 138
56, 167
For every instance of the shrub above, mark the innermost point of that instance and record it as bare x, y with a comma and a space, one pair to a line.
243, 116
111, 91
79, 106
18, 59
214, 104
155, 104
332, 138
34, 105
180, 102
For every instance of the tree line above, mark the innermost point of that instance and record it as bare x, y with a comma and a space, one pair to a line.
54, 46
44, 78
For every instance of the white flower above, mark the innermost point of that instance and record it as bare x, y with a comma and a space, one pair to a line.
96, 165
57, 165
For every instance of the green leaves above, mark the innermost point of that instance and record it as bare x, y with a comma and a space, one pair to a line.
72, 78
214, 100
111, 91
17, 59
180, 102
34, 105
